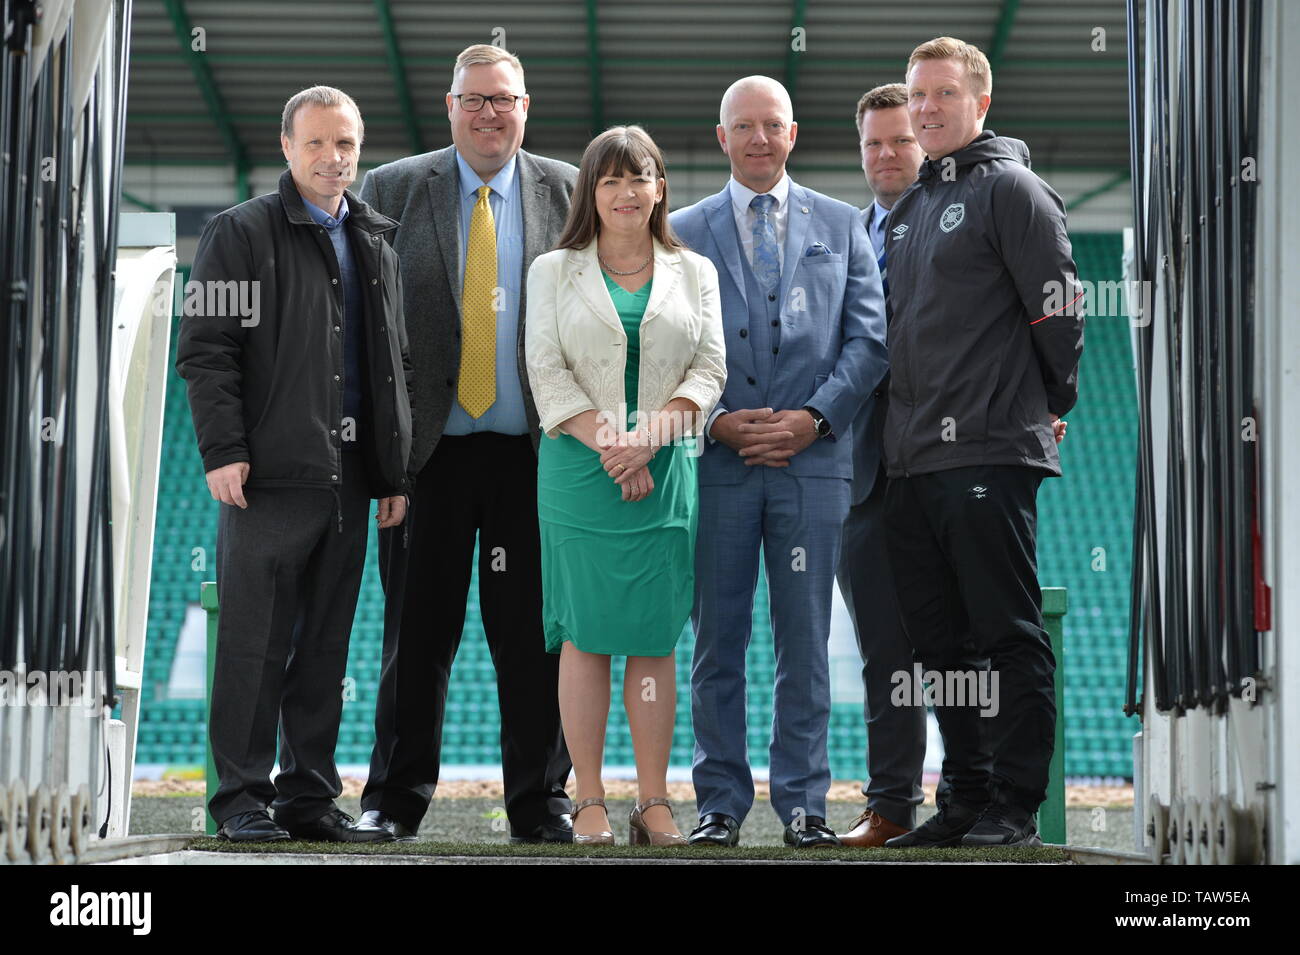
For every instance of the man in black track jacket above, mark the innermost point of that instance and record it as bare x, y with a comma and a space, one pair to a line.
985, 334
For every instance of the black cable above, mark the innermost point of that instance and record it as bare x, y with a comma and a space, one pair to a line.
14, 607
1249, 636
81, 652
1211, 690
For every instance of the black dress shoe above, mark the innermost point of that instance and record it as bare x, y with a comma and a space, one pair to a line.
945, 828
378, 819
555, 829
814, 834
715, 829
337, 826
254, 826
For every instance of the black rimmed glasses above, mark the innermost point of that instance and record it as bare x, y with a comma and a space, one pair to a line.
473, 102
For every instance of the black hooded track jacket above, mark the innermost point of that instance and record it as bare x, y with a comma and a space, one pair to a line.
986, 314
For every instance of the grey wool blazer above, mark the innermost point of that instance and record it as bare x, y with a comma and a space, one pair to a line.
422, 193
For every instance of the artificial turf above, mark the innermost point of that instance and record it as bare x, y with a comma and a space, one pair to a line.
1044, 854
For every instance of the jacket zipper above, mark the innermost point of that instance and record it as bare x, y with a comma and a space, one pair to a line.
911, 359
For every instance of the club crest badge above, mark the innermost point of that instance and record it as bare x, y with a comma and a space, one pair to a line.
952, 216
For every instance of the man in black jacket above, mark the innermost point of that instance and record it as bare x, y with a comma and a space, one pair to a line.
985, 335
294, 352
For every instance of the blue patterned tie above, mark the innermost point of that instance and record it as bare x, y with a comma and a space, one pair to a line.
878, 228
767, 259
880, 261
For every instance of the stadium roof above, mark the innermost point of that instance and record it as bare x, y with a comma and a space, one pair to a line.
1059, 83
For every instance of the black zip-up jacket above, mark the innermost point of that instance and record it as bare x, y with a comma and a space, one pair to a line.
271, 393
986, 314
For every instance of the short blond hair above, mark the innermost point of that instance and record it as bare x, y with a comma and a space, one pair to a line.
889, 96
972, 57
326, 96
485, 54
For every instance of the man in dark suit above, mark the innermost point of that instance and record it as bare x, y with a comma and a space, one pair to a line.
473, 217
895, 734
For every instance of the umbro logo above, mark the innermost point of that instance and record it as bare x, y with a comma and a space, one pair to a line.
899, 231
979, 492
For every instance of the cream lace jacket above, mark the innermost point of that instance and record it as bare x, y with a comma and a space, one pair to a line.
576, 347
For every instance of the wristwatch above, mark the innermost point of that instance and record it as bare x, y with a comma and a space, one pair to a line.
821, 424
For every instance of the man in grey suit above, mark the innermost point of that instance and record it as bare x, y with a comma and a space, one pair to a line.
804, 321
473, 217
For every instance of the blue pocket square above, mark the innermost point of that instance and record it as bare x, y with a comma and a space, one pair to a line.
817, 248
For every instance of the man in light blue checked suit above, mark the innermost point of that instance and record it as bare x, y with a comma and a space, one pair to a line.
804, 320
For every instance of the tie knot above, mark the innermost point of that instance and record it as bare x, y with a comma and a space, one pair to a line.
483, 193
763, 204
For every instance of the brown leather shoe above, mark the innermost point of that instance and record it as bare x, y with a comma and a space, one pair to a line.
870, 830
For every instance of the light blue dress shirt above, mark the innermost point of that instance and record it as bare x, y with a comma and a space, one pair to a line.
876, 232
506, 415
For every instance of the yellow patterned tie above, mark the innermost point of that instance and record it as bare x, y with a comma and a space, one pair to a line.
477, 388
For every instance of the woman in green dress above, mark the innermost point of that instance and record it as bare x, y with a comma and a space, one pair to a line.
625, 358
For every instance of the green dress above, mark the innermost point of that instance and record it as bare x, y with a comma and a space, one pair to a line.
618, 577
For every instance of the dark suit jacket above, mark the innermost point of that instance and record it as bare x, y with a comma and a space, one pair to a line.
869, 426
423, 194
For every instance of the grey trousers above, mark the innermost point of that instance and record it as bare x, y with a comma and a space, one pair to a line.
288, 577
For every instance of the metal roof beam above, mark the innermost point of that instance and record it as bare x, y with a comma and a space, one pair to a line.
137, 201
211, 94
1002, 33
670, 63
594, 69
397, 68
1107, 186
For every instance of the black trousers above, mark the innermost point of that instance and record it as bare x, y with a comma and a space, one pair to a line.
895, 735
287, 584
484, 484
962, 546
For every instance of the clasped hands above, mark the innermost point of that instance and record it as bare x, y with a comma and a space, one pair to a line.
625, 458
764, 436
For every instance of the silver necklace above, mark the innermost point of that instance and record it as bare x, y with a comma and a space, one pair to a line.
606, 267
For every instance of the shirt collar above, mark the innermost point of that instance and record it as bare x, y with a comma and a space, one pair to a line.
742, 195
324, 218
501, 183
878, 217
